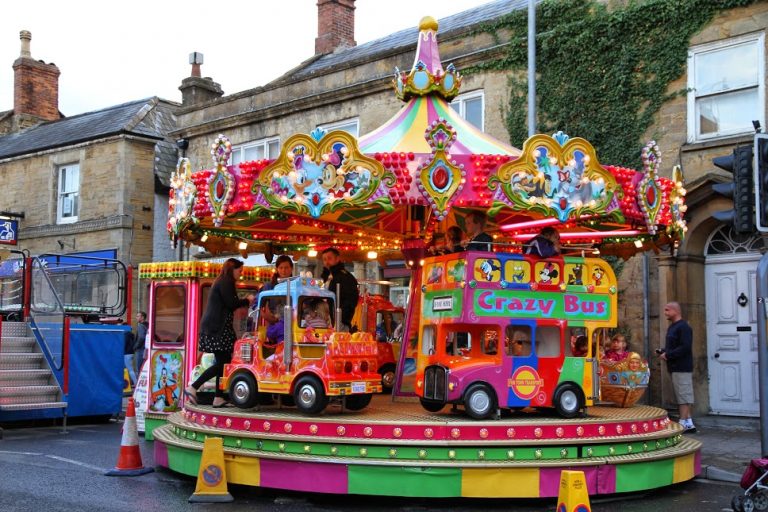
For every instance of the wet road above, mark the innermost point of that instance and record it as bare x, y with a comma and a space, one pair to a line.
42, 469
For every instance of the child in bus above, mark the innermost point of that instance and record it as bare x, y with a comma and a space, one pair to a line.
316, 316
618, 351
579, 345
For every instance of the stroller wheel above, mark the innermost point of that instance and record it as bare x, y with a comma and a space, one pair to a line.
737, 503
749, 505
760, 500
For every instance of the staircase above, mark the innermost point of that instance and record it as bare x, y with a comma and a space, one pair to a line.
26, 380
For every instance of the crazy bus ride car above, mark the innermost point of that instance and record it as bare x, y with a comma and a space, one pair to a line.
310, 363
495, 331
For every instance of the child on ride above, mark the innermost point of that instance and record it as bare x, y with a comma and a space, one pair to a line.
618, 351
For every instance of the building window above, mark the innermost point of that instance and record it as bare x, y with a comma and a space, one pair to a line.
726, 87
68, 203
471, 107
256, 150
351, 126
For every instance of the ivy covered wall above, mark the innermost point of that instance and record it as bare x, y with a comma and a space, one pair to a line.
603, 71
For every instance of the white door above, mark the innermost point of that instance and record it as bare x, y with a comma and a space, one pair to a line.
732, 335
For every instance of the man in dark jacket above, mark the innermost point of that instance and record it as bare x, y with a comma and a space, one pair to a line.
678, 354
139, 340
334, 273
479, 240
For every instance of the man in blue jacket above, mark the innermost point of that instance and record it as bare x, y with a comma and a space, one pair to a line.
678, 353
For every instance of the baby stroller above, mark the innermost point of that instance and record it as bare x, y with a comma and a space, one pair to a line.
755, 487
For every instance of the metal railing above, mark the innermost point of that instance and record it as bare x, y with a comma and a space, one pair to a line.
12, 284
47, 313
89, 286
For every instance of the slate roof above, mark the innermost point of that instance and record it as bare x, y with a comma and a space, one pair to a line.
142, 117
404, 38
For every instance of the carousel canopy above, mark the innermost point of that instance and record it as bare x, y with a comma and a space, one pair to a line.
416, 175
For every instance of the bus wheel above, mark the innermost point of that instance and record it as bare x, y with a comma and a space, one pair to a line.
568, 401
357, 402
309, 395
243, 391
479, 401
431, 405
387, 377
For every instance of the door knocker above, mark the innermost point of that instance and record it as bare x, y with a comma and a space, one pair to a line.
742, 300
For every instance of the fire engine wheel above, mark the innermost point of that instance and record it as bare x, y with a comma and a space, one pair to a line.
568, 400
243, 391
431, 405
357, 402
387, 377
479, 401
309, 395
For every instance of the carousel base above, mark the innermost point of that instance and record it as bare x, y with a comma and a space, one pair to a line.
398, 449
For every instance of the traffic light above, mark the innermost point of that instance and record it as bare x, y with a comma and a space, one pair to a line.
741, 190
761, 181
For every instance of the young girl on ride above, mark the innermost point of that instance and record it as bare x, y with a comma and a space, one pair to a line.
618, 351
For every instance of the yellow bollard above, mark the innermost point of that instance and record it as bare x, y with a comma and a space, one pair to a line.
573, 495
212, 476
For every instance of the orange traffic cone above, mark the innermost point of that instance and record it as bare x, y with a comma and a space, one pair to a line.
129, 461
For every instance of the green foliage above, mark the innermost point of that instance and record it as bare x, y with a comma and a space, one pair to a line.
603, 72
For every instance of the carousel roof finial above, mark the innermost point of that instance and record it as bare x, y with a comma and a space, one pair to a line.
427, 75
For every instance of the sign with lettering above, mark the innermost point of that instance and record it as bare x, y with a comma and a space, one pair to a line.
528, 304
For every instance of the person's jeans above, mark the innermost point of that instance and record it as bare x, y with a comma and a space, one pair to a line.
139, 360
128, 360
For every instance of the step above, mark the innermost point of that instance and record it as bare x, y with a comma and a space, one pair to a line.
30, 399
15, 329
38, 377
26, 391
28, 407
18, 344
20, 361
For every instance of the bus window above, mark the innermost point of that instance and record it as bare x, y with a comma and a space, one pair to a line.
457, 343
599, 341
490, 341
428, 340
548, 341
518, 340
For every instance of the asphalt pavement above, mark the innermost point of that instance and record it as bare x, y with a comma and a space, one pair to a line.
728, 444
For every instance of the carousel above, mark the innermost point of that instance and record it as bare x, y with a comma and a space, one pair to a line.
389, 194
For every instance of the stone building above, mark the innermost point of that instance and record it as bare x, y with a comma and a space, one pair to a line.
82, 182
348, 86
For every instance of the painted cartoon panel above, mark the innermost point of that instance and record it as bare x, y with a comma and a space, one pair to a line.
548, 273
166, 376
487, 270
433, 273
517, 271
574, 273
455, 271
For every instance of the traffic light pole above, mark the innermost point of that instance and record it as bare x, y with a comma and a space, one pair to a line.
762, 349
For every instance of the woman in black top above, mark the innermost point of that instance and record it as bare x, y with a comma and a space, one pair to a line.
217, 334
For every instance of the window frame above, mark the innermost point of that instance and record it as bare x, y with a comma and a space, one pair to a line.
757, 38
60, 194
338, 125
461, 101
265, 142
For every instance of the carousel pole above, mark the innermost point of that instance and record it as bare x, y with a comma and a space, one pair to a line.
762, 349
531, 68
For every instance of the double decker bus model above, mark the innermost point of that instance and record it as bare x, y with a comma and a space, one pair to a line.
308, 363
496, 331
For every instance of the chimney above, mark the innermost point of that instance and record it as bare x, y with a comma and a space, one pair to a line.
195, 89
35, 85
335, 25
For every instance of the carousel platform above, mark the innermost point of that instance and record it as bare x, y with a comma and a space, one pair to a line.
398, 449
